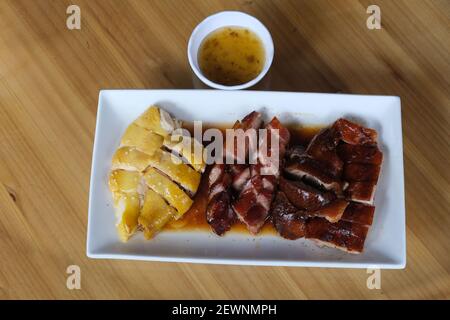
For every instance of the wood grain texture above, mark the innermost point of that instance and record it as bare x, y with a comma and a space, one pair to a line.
49, 82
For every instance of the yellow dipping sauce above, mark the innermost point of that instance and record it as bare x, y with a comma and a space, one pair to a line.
231, 56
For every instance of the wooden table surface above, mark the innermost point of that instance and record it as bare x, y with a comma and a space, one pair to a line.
50, 77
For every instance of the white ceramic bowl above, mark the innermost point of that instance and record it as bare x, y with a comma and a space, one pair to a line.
226, 19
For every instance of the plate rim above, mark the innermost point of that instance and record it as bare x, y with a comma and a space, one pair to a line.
400, 264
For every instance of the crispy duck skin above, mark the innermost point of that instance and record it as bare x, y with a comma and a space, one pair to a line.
361, 172
352, 133
304, 196
219, 214
295, 152
359, 213
360, 154
342, 235
253, 204
363, 192
316, 203
312, 171
287, 219
345, 160
323, 149
331, 212
319, 163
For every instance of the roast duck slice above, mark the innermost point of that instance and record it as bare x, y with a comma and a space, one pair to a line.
331, 198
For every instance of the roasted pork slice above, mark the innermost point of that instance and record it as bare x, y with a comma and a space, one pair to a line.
360, 154
361, 172
363, 192
359, 213
268, 149
323, 149
287, 219
219, 214
222, 177
342, 235
304, 196
353, 133
252, 121
247, 199
275, 126
253, 204
255, 218
240, 174
312, 170
216, 173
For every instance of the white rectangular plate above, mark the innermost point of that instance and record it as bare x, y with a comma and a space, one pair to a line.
385, 245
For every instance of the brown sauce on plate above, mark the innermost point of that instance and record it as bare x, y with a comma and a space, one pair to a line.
195, 218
